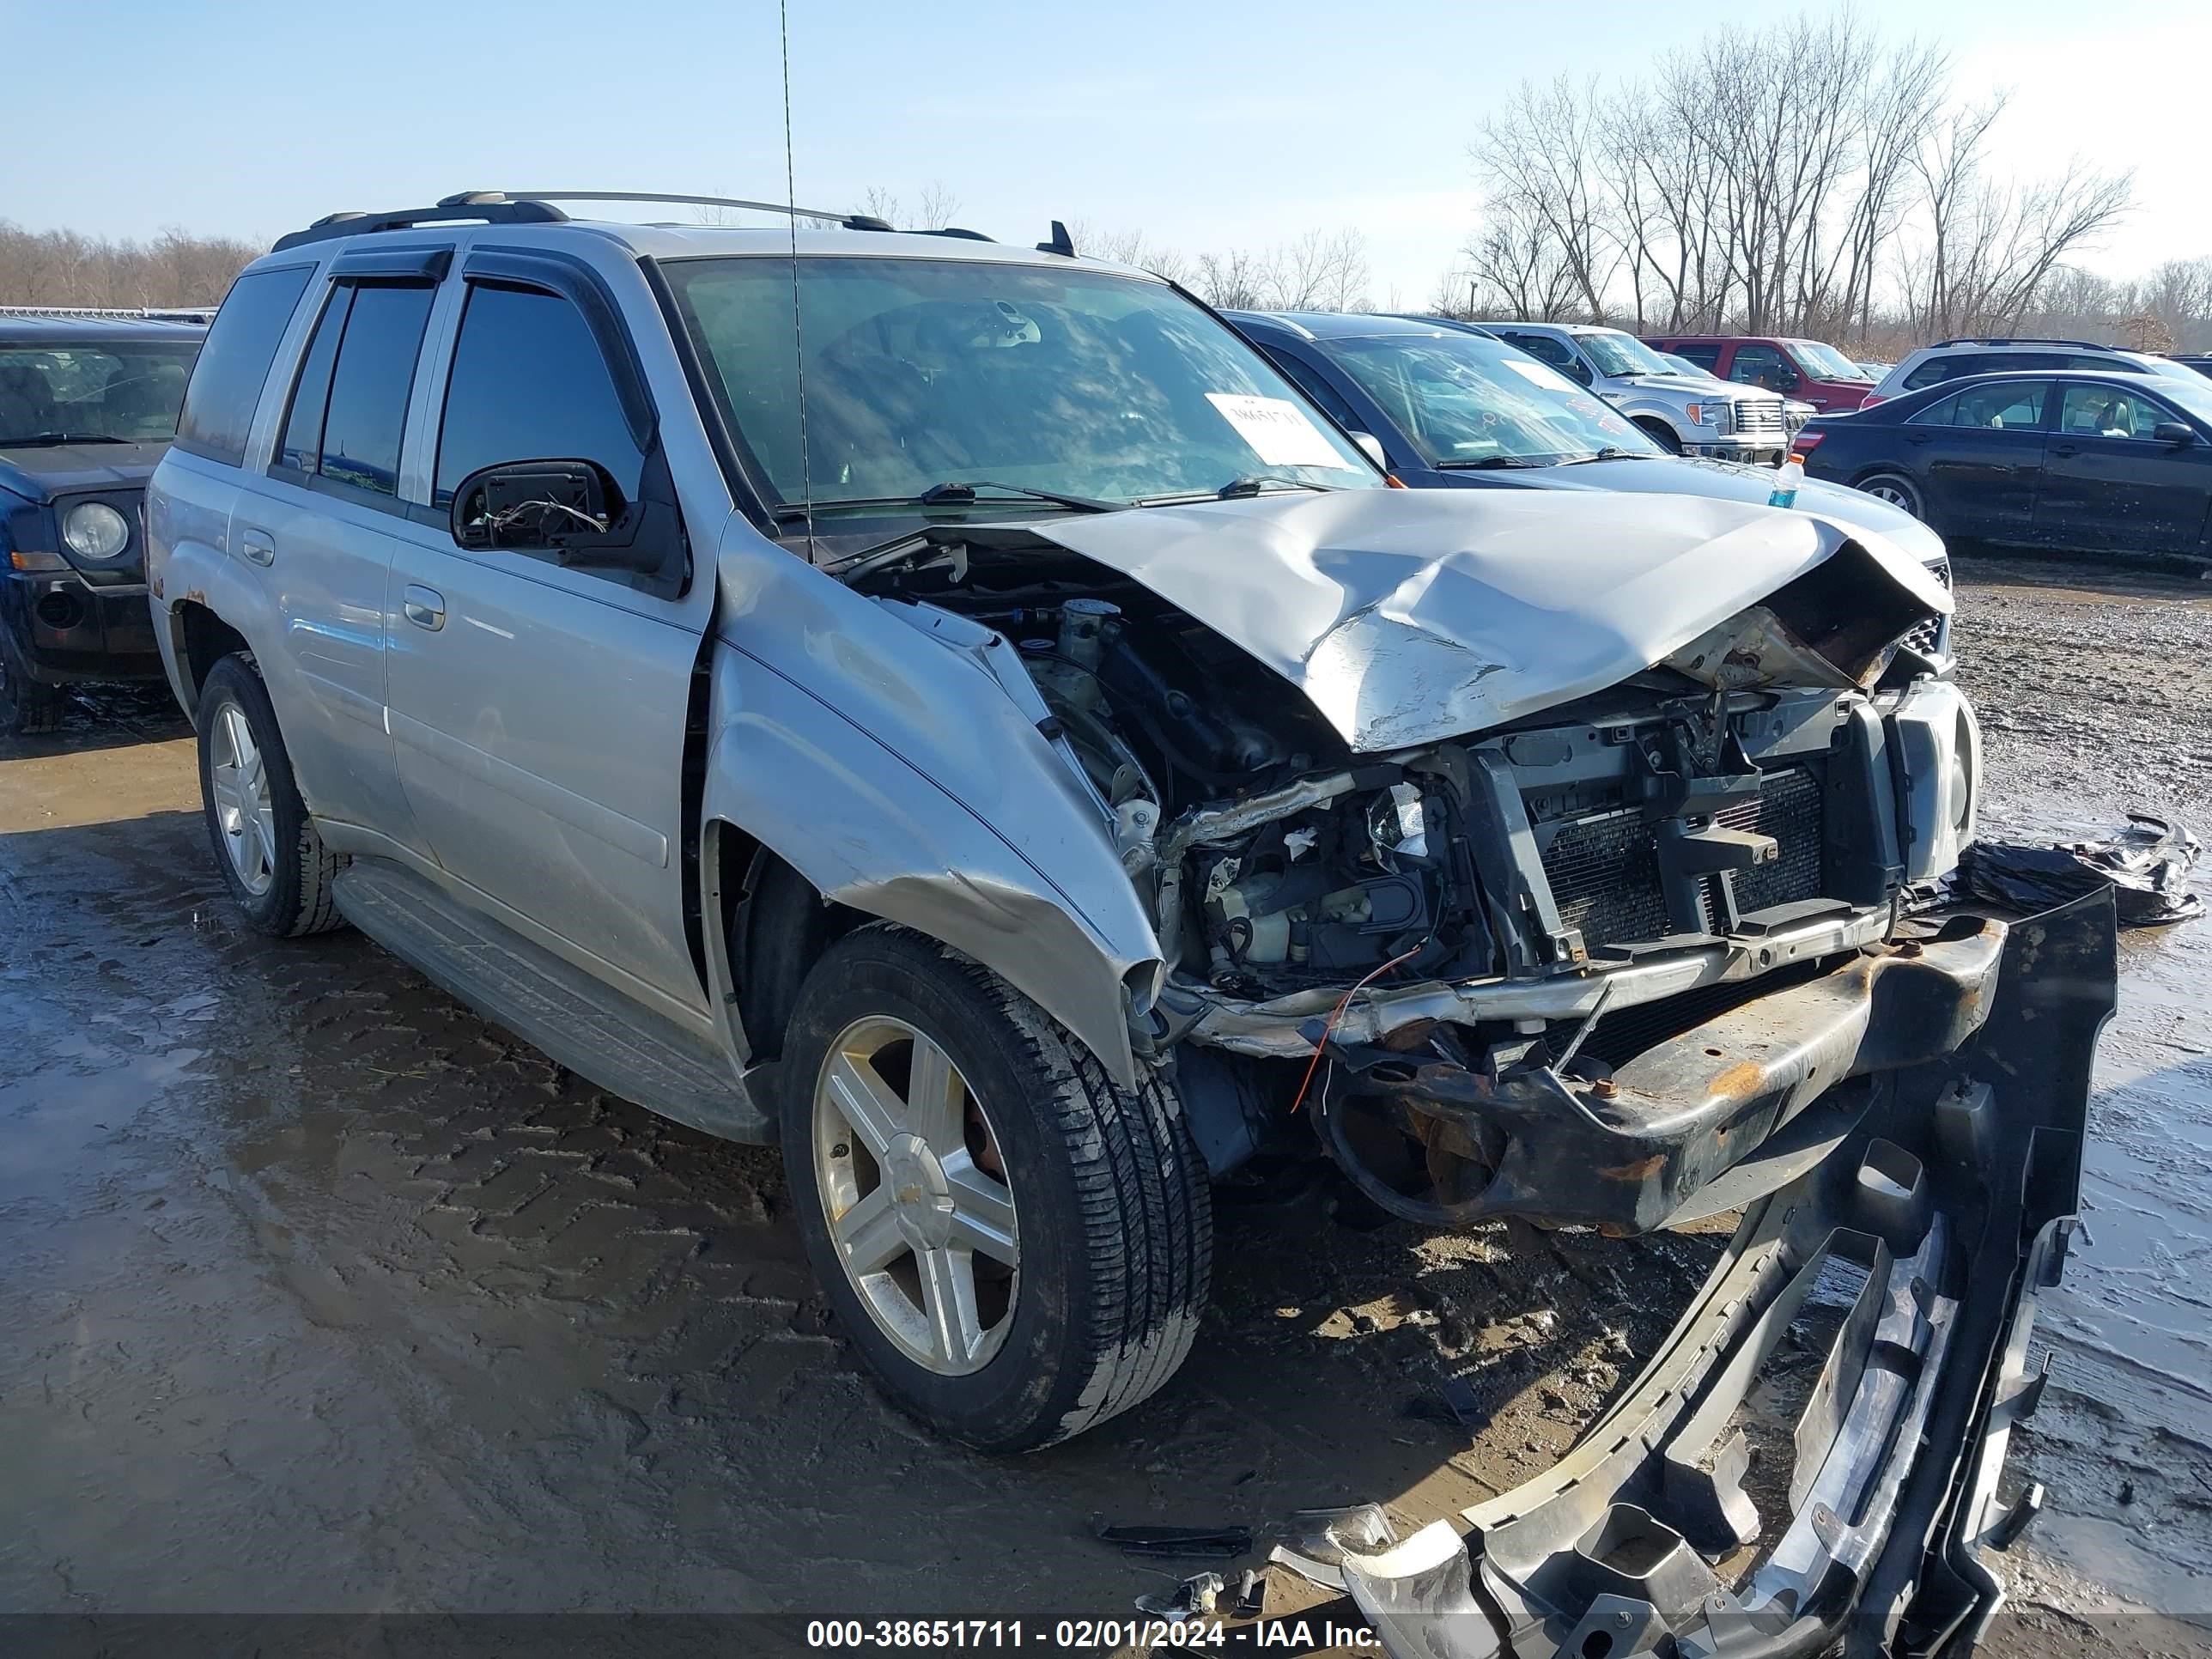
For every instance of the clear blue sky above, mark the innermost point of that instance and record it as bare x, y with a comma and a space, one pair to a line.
1208, 125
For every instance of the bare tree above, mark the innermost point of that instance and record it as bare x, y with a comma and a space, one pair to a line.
62, 268
1319, 272
1802, 179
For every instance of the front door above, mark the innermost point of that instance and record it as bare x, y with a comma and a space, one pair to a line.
2107, 483
538, 711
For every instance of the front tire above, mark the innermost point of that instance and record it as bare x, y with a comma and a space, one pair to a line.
1662, 435
272, 859
1898, 491
1018, 1249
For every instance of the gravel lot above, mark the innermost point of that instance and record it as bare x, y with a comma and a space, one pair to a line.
323, 1295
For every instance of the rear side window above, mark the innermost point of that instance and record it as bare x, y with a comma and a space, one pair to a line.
227, 382
1930, 372
351, 409
529, 384
2015, 406
1704, 357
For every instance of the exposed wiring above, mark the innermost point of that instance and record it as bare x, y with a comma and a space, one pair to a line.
1321, 1048
500, 521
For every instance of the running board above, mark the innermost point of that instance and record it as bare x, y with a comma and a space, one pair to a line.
574, 1019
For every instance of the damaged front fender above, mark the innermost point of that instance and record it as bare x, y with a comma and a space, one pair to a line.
1916, 1251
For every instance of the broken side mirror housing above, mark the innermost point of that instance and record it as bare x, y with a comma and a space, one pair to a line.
531, 505
574, 510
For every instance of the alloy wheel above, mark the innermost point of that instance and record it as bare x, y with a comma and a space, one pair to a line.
246, 812
914, 1190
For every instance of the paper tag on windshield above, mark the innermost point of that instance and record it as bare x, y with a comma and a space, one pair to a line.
1539, 375
1279, 432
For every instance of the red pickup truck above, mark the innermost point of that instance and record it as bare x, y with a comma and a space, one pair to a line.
1805, 369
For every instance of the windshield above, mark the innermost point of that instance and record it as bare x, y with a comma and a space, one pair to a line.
129, 393
1462, 400
2192, 396
1615, 353
1827, 362
922, 372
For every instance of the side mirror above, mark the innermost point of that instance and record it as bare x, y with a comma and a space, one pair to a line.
535, 505
1371, 447
2174, 432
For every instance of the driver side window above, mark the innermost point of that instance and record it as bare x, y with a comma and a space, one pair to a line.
529, 383
1764, 366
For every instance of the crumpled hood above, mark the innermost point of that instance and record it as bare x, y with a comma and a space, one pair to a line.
1732, 481
1406, 617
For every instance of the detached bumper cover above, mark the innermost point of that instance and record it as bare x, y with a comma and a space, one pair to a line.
1917, 1249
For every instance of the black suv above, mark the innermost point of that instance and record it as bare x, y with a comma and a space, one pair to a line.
88, 403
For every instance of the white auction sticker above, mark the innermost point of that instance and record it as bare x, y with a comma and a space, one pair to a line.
1279, 432
1539, 375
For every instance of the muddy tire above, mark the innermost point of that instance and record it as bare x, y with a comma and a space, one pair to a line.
1035, 1262
27, 708
272, 859
1898, 491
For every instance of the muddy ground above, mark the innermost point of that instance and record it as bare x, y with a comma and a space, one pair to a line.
318, 1294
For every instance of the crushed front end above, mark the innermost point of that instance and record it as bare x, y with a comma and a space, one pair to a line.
1813, 1457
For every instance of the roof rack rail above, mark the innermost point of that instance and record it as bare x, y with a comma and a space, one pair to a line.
837, 216
536, 206
2023, 339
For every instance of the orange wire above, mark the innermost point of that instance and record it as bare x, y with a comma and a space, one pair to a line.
1319, 1047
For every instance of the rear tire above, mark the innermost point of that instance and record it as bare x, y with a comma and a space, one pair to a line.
1896, 490
1099, 1196
272, 859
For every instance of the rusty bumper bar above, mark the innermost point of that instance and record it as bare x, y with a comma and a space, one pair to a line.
1716, 1117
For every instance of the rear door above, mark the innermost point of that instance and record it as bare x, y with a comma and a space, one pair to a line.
1978, 454
538, 710
323, 521
2108, 483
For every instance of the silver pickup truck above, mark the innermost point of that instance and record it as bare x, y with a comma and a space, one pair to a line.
1688, 415
955, 709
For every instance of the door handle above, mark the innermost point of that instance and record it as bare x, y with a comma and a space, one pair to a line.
2066, 449
424, 606
1919, 437
258, 546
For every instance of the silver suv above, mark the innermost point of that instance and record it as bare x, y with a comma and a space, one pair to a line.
955, 709
1686, 414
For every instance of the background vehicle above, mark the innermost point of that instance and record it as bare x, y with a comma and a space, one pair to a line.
1951, 360
88, 405
2202, 365
2067, 460
1682, 414
1455, 409
1807, 370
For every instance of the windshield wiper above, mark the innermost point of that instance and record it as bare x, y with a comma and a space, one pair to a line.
1239, 489
44, 440
1610, 453
954, 492
1486, 462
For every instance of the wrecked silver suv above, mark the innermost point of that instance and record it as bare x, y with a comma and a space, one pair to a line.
990, 733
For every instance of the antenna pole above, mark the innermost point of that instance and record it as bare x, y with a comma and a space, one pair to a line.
797, 332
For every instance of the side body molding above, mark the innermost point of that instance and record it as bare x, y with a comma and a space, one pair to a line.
892, 770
